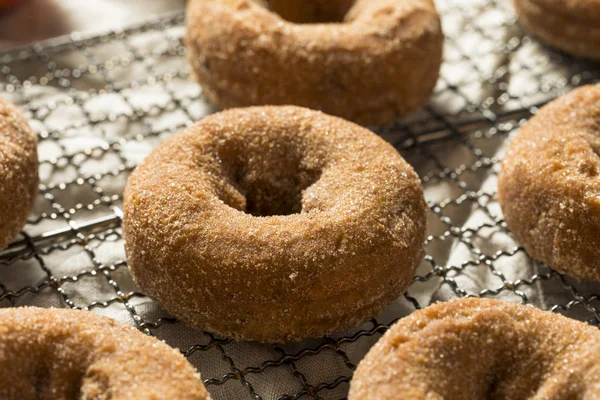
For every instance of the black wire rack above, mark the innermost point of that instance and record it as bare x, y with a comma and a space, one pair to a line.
100, 104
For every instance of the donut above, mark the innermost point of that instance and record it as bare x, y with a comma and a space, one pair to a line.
48, 354
18, 171
273, 224
549, 184
481, 349
368, 61
572, 26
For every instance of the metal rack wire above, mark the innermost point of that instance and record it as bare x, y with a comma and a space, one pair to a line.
100, 104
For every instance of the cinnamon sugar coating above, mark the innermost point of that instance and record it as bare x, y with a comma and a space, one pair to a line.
274, 223
378, 59
18, 171
473, 349
570, 25
549, 185
49, 354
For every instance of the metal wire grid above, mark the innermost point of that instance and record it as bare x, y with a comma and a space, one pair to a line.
100, 104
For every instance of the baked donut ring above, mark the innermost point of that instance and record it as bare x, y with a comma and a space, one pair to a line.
472, 349
49, 354
18, 171
380, 60
571, 26
549, 185
274, 223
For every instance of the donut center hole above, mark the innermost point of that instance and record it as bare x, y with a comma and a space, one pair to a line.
284, 197
268, 183
311, 11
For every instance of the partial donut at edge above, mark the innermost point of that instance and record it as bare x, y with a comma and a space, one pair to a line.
549, 184
18, 171
48, 354
475, 348
383, 61
572, 26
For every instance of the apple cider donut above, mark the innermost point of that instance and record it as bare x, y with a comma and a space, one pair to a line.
572, 26
473, 349
364, 60
18, 171
549, 185
274, 223
48, 354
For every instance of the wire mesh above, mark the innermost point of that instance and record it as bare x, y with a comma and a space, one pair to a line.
100, 104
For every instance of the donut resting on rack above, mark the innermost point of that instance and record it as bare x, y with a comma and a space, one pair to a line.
549, 184
364, 60
572, 26
273, 224
472, 349
18, 171
48, 354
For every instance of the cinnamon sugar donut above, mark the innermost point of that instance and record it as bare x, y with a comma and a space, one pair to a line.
482, 349
549, 185
18, 171
373, 61
274, 223
570, 25
48, 354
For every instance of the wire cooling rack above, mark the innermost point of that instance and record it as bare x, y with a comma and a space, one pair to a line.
100, 104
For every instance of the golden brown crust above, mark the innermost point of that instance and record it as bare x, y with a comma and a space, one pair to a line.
549, 185
350, 251
570, 25
18, 171
382, 61
48, 354
471, 349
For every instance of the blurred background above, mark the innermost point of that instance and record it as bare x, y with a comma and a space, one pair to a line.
25, 21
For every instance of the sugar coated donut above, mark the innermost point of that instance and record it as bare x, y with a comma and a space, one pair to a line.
18, 171
375, 60
472, 349
549, 185
569, 25
48, 354
274, 223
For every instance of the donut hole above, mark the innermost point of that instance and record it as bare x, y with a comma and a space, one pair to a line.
311, 11
266, 182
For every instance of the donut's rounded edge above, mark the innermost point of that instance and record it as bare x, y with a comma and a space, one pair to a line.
249, 56
19, 170
545, 196
547, 334
297, 322
567, 29
91, 355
